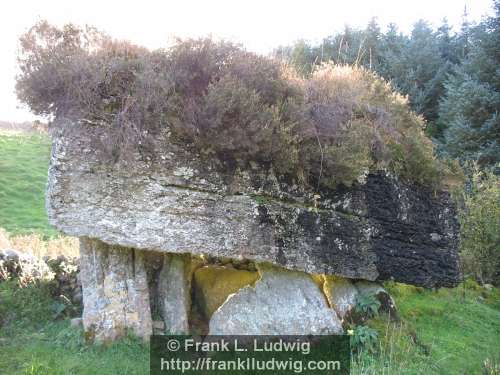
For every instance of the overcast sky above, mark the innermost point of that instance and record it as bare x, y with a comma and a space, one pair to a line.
260, 25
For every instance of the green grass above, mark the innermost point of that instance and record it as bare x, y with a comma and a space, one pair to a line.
448, 331
58, 349
460, 331
31, 342
23, 176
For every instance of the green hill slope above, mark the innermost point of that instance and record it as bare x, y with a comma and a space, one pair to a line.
23, 175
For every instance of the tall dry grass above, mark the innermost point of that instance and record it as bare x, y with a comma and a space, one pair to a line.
35, 244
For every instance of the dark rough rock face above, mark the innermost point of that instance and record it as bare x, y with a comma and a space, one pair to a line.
418, 247
172, 201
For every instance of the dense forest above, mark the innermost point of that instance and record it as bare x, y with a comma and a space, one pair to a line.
451, 78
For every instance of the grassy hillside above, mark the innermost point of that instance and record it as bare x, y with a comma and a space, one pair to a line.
452, 331
23, 175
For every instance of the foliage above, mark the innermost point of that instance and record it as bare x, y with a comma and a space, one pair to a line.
480, 220
367, 304
452, 80
490, 367
59, 349
452, 330
395, 352
227, 104
471, 104
364, 338
448, 331
29, 305
32, 341
416, 65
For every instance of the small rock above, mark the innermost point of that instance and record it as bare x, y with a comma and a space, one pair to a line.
11, 254
435, 237
26, 267
158, 325
76, 322
488, 287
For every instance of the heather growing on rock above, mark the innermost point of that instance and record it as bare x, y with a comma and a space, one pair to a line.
225, 104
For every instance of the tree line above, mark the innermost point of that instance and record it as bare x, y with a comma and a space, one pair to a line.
451, 78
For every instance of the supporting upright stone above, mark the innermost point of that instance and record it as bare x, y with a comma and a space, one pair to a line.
174, 289
115, 292
281, 303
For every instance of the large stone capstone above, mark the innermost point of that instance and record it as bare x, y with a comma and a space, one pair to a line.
170, 200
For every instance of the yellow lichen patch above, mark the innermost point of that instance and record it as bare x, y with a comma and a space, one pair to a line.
213, 284
194, 262
319, 279
340, 293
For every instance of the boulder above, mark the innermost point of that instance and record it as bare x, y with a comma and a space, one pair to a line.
171, 200
281, 303
143, 218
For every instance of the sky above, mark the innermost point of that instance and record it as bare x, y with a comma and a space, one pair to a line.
260, 25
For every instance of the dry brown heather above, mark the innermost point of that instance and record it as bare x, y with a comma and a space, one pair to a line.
38, 246
227, 103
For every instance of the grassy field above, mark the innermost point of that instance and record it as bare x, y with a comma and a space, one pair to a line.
32, 342
448, 331
23, 175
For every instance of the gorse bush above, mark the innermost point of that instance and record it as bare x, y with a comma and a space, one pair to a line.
226, 104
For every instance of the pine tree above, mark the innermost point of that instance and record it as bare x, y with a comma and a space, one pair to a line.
471, 106
419, 70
